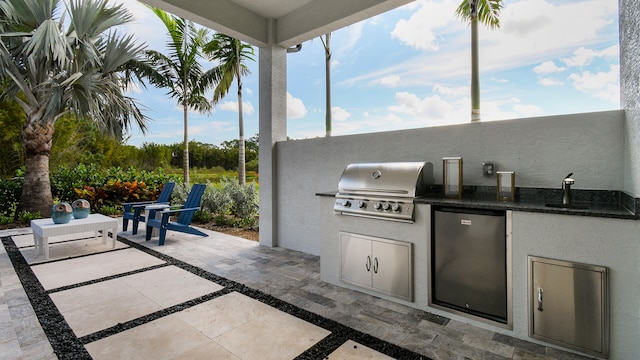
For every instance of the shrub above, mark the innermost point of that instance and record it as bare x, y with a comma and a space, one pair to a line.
25, 217
180, 194
252, 165
109, 210
231, 203
201, 217
244, 199
4, 220
64, 180
10, 191
215, 200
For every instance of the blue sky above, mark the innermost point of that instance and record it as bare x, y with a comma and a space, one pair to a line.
410, 68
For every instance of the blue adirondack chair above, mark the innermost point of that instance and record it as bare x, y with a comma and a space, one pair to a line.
184, 219
134, 211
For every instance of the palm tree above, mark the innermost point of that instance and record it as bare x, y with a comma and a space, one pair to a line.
232, 54
326, 42
181, 71
487, 12
53, 65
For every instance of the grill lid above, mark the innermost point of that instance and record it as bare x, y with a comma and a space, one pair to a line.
390, 179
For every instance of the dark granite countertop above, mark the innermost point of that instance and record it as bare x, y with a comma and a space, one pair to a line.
598, 203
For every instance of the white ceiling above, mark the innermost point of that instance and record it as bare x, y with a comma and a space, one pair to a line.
282, 22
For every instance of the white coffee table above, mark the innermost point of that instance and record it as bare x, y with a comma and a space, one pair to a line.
45, 228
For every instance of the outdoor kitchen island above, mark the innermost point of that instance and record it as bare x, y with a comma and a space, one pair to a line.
603, 235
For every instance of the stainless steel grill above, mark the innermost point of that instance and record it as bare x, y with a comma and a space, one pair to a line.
382, 190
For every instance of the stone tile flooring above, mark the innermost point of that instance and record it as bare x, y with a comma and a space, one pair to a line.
219, 297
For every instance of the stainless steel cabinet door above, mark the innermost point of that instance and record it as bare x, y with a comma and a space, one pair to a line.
392, 268
382, 265
568, 305
355, 260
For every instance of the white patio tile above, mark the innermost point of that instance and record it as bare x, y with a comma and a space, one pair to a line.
275, 335
217, 316
165, 338
170, 285
73, 271
64, 250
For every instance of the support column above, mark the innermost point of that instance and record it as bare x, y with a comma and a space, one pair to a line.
629, 96
272, 63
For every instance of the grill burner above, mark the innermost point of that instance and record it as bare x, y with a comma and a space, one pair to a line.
382, 190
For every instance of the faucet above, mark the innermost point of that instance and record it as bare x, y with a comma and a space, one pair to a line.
566, 189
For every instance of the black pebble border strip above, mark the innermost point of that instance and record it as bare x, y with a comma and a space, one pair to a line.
67, 346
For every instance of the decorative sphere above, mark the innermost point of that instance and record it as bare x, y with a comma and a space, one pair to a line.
81, 208
61, 213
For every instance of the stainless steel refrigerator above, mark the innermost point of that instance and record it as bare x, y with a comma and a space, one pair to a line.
468, 261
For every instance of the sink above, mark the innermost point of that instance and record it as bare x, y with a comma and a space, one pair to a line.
567, 206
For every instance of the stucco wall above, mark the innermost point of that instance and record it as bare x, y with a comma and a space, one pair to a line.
540, 150
597, 241
630, 90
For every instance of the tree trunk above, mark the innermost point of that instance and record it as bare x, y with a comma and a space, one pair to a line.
242, 173
475, 72
185, 158
327, 65
36, 190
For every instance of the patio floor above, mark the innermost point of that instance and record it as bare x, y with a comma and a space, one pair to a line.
219, 297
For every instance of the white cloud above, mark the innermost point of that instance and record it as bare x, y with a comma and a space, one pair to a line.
435, 110
420, 30
549, 82
145, 25
612, 52
527, 110
295, 107
603, 85
584, 56
390, 80
449, 91
581, 57
247, 107
204, 129
531, 32
548, 67
353, 34
432, 107
339, 114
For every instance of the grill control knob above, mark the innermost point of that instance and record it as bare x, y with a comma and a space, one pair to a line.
361, 204
395, 207
377, 206
346, 203
386, 206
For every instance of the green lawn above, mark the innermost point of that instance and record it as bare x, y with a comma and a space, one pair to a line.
200, 176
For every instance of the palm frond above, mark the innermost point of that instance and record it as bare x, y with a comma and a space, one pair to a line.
232, 54
180, 70
487, 11
89, 19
